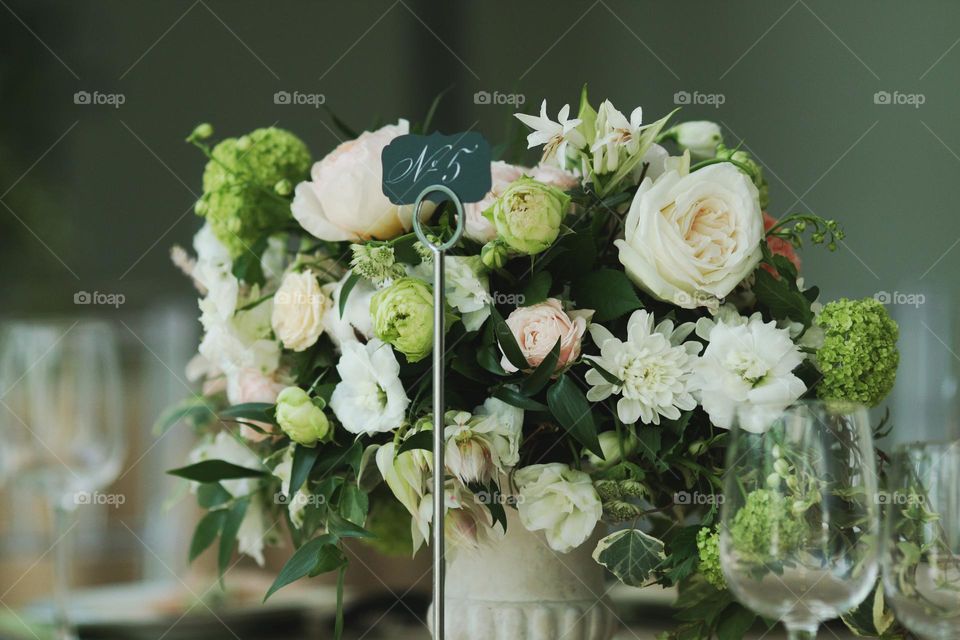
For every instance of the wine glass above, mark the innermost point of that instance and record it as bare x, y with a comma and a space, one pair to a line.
921, 539
799, 521
60, 423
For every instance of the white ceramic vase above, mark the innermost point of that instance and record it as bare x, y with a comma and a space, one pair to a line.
520, 589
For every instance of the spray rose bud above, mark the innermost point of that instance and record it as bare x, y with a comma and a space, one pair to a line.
302, 420
403, 317
494, 254
701, 137
528, 215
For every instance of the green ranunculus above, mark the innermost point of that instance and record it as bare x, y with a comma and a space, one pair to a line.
528, 215
302, 420
403, 317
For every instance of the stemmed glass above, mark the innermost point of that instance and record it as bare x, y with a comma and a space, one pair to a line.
61, 423
921, 539
799, 522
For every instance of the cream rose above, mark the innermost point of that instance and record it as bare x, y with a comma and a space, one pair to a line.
298, 309
689, 240
559, 501
538, 327
345, 201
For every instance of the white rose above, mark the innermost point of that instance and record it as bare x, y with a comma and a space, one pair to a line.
298, 309
689, 240
344, 199
701, 137
559, 501
369, 397
355, 318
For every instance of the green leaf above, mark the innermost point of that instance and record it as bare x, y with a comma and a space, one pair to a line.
259, 411
631, 555
303, 460
608, 291
533, 383
571, 409
419, 440
735, 622
211, 495
780, 299
192, 410
214, 471
206, 532
606, 375
228, 533
492, 498
506, 340
354, 504
346, 529
514, 398
301, 563
537, 288
345, 290
329, 557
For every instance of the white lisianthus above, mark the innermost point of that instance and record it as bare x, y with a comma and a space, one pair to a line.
689, 240
356, 318
701, 137
559, 501
298, 502
654, 365
468, 288
369, 397
344, 199
746, 364
298, 309
481, 446
214, 272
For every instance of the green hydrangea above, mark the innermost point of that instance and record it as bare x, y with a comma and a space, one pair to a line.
859, 355
240, 185
765, 527
708, 547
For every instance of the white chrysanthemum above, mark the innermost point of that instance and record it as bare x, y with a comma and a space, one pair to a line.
370, 397
654, 365
747, 363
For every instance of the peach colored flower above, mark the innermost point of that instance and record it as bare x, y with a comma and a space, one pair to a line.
538, 327
778, 246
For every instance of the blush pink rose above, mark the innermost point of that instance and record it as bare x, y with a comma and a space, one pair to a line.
538, 327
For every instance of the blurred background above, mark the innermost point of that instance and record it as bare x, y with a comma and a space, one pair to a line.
851, 108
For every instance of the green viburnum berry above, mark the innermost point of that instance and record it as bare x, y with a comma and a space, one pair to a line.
859, 355
607, 489
765, 527
240, 200
302, 420
620, 511
708, 548
201, 132
751, 167
528, 215
375, 263
403, 317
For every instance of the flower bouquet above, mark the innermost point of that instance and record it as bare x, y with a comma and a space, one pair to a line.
609, 309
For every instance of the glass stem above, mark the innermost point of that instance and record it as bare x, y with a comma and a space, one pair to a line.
801, 633
61, 572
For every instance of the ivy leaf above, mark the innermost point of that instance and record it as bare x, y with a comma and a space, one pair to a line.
206, 532
631, 555
345, 290
303, 460
301, 563
571, 409
608, 291
506, 340
514, 398
539, 378
214, 471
